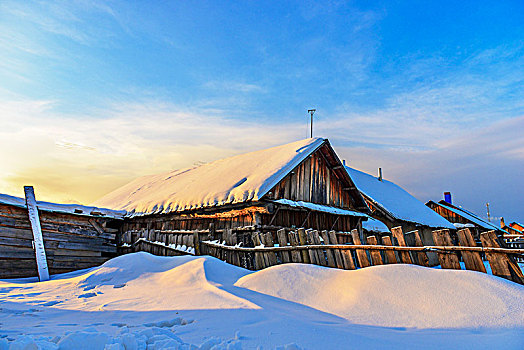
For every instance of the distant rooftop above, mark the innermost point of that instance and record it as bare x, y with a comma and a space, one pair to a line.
395, 201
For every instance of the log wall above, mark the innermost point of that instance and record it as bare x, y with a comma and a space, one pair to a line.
71, 241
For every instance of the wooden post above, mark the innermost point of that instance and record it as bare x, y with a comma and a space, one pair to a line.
259, 257
303, 241
296, 256
338, 254
502, 265
375, 254
390, 254
347, 258
38, 238
472, 260
362, 257
196, 242
422, 257
329, 252
268, 242
282, 242
397, 233
313, 257
448, 260
320, 253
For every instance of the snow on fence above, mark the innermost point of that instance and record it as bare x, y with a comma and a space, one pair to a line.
255, 250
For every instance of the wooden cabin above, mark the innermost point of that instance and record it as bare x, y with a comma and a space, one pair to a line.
511, 230
517, 226
75, 237
393, 206
300, 184
461, 218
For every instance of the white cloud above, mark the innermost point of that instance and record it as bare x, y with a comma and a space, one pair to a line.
79, 158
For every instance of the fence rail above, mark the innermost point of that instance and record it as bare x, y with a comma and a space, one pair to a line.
257, 250
367, 247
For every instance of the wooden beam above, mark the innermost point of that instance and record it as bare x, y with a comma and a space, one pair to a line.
397, 233
362, 257
472, 260
41, 260
375, 254
502, 265
447, 260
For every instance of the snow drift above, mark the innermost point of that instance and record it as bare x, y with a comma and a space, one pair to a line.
146, 301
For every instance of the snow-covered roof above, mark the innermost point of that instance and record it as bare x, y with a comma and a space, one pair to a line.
64, 208
395, 201
319, 207
469, 216
374, 225
459, 225
238, 179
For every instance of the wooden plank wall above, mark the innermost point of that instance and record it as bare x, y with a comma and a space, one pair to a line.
71, 241
313, 181
179, 222
281, 218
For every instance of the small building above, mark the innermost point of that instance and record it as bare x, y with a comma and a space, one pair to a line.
517, 226
511, 230
75, 236
393, 206
461, 218
300, 184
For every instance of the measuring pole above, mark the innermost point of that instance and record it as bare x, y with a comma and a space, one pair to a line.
38, 239
311, 111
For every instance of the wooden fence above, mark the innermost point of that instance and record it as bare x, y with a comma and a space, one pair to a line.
256, 250
515, 242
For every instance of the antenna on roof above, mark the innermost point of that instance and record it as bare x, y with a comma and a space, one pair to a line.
311, 111
487, 208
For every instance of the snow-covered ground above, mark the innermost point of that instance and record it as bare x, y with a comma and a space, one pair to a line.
140, 300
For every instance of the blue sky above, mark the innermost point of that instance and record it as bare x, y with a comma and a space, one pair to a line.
95, 93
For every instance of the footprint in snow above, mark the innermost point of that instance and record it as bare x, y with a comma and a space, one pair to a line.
87, 295
118, 324
119, 285
51, 303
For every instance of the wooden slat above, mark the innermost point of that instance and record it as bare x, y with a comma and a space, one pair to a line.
260, 262
347, 258
472, 260
447, 260
313, 256
282, 242
422, 257
390, 254
502, 265
397, 233
303, 241
320, 253
268, 242
296, 256
376, 258
362, 257
329, 252
339, 260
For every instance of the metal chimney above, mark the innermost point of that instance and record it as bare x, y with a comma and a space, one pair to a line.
379, 174
447, 197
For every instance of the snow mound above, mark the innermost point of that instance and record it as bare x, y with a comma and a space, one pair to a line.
141, 301
397, 295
